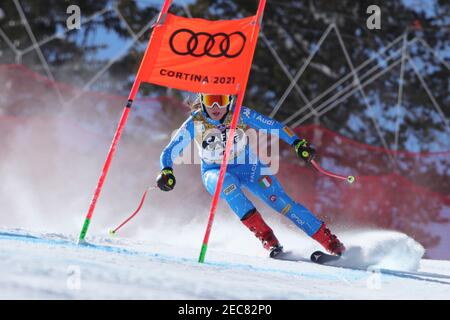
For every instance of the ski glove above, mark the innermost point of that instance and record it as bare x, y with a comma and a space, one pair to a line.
166, 180
305, 151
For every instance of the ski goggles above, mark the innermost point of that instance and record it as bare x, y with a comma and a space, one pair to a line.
221, 100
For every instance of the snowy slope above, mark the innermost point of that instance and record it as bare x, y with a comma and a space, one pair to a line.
51, 266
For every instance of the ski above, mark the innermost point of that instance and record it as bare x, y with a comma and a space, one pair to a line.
318, 257
323, 258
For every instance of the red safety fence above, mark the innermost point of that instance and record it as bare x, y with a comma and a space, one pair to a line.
400, 190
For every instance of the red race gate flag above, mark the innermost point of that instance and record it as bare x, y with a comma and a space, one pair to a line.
194, 55
199, 55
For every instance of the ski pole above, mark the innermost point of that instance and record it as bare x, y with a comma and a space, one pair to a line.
112, 232
349, 179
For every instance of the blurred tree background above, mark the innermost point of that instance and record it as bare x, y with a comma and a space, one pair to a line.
292, 29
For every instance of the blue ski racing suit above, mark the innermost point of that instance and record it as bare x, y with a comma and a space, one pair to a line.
245, 170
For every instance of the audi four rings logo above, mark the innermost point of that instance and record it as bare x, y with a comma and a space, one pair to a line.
198, 44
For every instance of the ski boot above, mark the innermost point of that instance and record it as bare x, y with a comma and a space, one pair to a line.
263, 232
275, 251
329, 241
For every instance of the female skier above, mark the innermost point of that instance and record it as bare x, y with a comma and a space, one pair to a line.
208, 126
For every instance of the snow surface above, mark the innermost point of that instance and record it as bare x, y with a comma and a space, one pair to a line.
380, 265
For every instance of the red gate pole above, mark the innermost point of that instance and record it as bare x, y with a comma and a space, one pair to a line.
223, 166
115, 140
